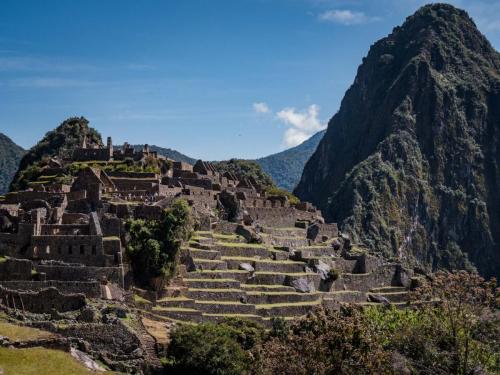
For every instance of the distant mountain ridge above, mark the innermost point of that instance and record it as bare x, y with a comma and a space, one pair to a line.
286, 167
168, 153
10, 157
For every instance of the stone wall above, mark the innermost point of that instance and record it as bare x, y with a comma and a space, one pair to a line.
279, 216
15, 269
41, 302
81, 273
92, 154
87, 250
92, 289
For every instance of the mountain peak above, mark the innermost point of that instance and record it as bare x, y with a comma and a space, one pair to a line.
409, 165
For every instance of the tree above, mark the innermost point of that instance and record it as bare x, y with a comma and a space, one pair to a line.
458, 305
153, 245
324, 342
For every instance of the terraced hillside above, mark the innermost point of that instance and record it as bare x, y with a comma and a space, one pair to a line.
285, 276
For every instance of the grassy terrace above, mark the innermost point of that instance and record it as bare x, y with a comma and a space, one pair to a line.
241, 244
38, 361
174, 309
211, 280
260, 260
267, 286
259, 293
20, 333
227, 290
273, 305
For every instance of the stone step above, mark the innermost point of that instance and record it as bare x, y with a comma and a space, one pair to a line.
361, 281
203, 233
242, 250
198, 245
225, 307
201, 254
344, 296
266, 288
221, 237
265, 265
178, 313
389, 289
182, 302
286, 309
305, 252
279, 254
285, 232
399, 305
239, 275
212, 283
209, 264
393, 296
236, 295
260, 298
277, 278
290, 242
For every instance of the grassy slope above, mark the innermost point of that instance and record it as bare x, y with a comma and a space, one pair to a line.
37, 361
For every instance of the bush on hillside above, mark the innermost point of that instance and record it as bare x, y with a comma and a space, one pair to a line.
206, 349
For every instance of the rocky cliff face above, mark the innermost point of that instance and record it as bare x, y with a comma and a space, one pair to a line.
10, 156
410, 165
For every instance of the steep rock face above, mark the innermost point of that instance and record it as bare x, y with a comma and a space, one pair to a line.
10, 156
410, 165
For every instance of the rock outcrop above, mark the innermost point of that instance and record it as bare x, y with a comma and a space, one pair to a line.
10, 156
410, 165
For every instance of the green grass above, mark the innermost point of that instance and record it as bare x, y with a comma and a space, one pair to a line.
221, 303
213, 280
172, 299
174, 309
267, 286
259, 293
111, 238
20, 333
214, 290
37, 361
207, 260
268, 306
241, 244
140, 300
260, 260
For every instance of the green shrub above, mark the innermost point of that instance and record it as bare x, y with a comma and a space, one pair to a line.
153, 245
207, 349
283, 193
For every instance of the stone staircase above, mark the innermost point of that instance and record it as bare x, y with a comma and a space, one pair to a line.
227, 277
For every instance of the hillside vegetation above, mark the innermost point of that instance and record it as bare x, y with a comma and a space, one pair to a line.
410, 165
10, 157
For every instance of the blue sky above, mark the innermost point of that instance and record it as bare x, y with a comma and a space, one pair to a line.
213, 79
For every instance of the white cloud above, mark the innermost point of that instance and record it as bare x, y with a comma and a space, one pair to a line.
303, 124
261, 107
345, 17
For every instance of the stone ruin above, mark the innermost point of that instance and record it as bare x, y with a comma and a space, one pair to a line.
254, 255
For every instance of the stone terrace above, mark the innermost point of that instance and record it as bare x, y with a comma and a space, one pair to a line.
285, 276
